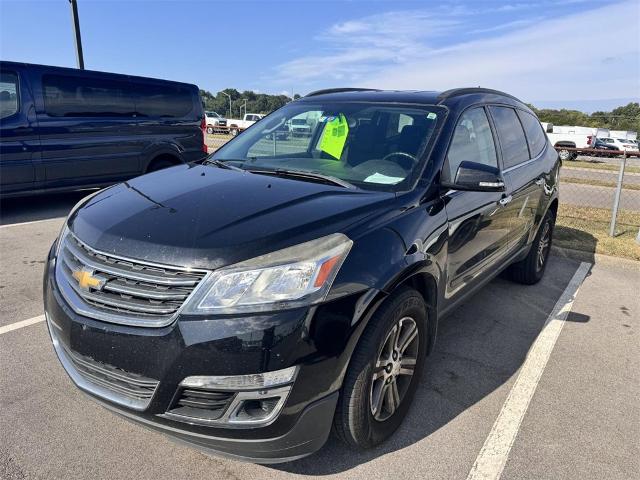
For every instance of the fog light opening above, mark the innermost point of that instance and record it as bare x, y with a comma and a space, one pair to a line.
256, 409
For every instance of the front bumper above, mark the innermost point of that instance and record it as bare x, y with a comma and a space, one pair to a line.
210, 346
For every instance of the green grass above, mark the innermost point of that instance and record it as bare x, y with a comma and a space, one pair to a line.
600, 183
598, 165
587, 229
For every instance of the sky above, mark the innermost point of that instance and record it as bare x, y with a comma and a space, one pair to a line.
582, 54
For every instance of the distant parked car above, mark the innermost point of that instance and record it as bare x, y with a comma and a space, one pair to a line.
300, 127
64, 129
215, 122
622, 144
600, 144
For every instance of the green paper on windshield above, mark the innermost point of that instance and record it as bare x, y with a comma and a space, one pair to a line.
334, 135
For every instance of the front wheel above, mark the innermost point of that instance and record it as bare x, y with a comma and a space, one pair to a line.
234, 132
210, 130
384, 371
531, 269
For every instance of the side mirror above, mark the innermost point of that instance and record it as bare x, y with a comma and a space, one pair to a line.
477, 177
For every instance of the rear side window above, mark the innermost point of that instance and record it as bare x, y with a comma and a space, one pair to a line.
535, 136
472, 142
8, 94
167, 101
71, 96
511, 135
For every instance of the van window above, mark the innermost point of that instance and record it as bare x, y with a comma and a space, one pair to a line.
512, 139
8, 94
71, 96
535, 135
167, 101
472, 142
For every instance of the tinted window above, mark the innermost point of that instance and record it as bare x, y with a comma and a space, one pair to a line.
8, 94
535, 136
511, 135
86, 97
472, 142
163, 100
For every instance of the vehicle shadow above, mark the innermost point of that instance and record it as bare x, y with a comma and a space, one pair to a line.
39, 207
479, 348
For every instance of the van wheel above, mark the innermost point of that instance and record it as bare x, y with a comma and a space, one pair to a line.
384, 371
210, 130
531, 269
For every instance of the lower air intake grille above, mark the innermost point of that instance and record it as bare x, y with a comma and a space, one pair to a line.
201, 404
129, 385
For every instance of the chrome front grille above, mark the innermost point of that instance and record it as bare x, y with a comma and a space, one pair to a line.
120, 290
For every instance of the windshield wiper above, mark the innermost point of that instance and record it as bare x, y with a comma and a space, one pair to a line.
221, 164
282, 172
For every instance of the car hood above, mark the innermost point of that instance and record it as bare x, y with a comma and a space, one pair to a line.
202, 216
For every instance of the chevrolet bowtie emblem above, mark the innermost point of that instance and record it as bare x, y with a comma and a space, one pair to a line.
87, 280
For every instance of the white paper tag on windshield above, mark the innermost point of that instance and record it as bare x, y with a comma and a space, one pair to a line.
380, 178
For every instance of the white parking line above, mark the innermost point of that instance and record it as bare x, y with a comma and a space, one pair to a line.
21, 324
494, 453
30, 223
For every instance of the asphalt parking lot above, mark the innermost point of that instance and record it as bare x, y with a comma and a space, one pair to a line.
512, 368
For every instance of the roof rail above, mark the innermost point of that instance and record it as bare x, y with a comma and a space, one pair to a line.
340, 90
454, 92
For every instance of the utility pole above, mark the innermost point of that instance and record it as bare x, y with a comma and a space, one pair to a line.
230, 112
76, 31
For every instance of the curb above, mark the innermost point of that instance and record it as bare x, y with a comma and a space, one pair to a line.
596, 258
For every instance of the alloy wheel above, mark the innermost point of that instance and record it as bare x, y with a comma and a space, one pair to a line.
394, 368
544, 245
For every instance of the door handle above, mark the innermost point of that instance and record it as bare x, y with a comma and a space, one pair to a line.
505, 200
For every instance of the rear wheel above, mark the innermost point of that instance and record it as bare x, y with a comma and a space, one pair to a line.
384, 371
565, 155
234, 132
160, 164
210, 130
531, 269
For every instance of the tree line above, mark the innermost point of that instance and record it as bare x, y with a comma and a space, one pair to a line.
626, 117
255, 102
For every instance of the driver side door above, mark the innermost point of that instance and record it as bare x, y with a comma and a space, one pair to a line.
479, 223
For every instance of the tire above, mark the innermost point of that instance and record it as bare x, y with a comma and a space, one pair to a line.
357, 422
531, 269
210, 130
159, 165
234, 132
564, 155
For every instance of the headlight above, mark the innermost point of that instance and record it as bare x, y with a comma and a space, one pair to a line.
293, 277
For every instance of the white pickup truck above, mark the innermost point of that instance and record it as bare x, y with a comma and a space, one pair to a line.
572, 137
216, 123
236, 126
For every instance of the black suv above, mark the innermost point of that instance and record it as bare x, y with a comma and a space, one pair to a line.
247, 303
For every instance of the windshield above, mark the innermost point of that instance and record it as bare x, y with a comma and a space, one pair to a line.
373, 146
212, 114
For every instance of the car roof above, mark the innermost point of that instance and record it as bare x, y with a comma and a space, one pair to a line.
6, 64
457, 96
